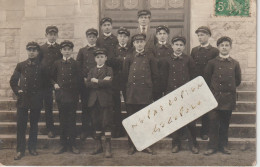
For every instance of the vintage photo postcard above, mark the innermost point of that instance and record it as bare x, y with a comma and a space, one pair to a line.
128, 83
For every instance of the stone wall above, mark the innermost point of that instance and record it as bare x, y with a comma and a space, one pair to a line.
11, 15
241, 30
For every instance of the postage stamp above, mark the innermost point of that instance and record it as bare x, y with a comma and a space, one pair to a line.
232, 8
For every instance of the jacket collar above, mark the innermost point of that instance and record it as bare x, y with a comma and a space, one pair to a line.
166, 45
206, 47
223, 59
174, 57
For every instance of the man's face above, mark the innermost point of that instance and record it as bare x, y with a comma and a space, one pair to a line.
100, 59
224, 48
52, 36
122, 39
178, 47
162, 35
144, 20
91, 39
32, 53
139, 44
203, 38
66, 51
106, 27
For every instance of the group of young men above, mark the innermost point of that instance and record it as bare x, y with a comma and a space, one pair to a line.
142, 66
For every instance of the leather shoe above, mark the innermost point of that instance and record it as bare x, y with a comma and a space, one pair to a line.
131, 150
225, 150
175, 149
60, 150
210, 152
204, 137
18, 156
33, 152
194, 150
74, 150
51, 134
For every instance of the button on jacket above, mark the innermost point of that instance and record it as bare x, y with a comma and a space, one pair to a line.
31, 75
142, 75
68, 76
100, 91
49, 54
86, 59
177, 71
109, 43
223, 76
201, 56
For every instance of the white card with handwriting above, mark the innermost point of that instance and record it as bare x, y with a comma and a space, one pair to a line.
170, 113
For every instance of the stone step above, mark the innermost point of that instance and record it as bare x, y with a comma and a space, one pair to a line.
242, 105
9, 141
237, 117
246, 96
235, 130
247, 85
245, 106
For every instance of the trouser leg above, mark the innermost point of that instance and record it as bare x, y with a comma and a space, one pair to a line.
22, 118
213, 129
223, 127
48, 106
34, 119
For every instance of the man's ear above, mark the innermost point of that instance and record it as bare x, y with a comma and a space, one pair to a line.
46, 35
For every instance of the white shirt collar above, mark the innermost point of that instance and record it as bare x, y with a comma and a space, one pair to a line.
224, 57
64, 58
100, 66
50, 43
204, 46
176, 54
122, 45
162, 43
139, 51
107, 35
91, 45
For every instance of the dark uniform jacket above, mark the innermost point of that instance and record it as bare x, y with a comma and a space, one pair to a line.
49, 54
151, 40
100, 91
177, 71
109, 43
161, 52
223, 76
201, 56
142, 75
86, 60
68, 76
118, 64
31, 76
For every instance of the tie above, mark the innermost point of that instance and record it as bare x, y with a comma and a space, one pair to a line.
143, 29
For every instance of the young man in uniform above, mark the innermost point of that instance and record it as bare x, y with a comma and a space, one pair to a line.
50, 52
223, 75
144, 18
67, 81
100, 101
119, 78
161, 50
178, 69
30, 76
201, 55
142, 73
87, 61
106, 39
